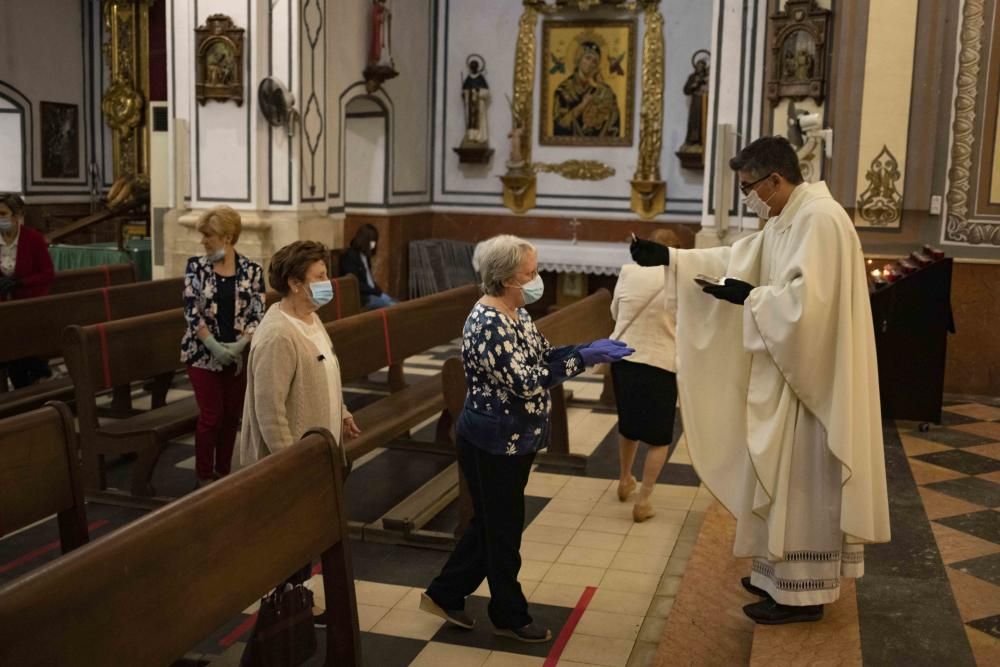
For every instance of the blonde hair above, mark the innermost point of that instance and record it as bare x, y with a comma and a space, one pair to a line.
679, 237
221, 221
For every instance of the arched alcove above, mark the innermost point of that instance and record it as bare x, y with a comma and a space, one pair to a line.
13, 145
366, 152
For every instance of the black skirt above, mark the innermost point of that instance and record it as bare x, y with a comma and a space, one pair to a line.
646, 397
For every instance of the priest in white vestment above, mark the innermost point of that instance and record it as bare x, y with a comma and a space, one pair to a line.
778, 386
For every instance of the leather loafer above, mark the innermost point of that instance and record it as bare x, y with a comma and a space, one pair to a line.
769, 612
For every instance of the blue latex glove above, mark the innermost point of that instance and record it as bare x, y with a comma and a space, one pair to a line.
604, 351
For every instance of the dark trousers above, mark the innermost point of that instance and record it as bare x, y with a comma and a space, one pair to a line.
27, 371
491, 547
220, 408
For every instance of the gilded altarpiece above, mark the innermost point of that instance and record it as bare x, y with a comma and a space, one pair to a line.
648, 190
124, 102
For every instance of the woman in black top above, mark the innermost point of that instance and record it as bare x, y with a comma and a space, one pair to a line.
358, 261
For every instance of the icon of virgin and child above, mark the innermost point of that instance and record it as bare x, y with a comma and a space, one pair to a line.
584, 105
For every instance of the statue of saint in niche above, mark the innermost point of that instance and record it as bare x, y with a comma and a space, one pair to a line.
475, 95
692, 152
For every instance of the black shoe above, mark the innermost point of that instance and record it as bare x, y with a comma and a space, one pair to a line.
759, 592
531, 633
455, 617
322, 619
769, 612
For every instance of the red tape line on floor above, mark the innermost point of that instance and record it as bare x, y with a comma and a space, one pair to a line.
107, 275
567, 631
107, 304
41, 551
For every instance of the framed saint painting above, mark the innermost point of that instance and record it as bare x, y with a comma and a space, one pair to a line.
588, 83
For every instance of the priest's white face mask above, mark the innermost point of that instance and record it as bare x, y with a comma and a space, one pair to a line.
759, 207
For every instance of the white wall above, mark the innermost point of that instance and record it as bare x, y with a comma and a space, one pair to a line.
11, 142
407, 97
44, 57
365, 153
490, 28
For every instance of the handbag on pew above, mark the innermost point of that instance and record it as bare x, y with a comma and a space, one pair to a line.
284, 635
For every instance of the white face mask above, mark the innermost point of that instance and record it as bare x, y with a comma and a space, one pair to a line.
372, 246
758, 206
6, 224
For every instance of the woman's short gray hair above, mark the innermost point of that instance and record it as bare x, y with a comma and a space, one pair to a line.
496, 261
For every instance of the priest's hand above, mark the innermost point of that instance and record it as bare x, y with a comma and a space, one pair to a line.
734, 291
649, 253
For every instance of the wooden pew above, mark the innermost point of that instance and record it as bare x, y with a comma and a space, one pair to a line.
121, 352
147, 593
580, 322
94, 277
375, 339
101, 356
40, 474
33, 328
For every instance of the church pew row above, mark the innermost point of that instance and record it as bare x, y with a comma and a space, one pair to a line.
93, 277
138, 596
34, 327
137, 349
40, 474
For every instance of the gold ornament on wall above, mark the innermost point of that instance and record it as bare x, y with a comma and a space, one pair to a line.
123, 104
648, 191
219, 61
881, 204
577, 170
798, 41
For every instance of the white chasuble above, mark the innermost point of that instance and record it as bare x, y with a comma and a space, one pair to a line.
779, 397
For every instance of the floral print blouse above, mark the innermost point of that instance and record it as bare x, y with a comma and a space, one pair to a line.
201, 306
509, 369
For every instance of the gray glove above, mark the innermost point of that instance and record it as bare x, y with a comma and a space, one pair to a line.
220, 352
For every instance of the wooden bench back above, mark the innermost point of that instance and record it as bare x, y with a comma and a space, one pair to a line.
93, 277
33, 327
580, 322
40, 474
346, 299
147, 593
379, 338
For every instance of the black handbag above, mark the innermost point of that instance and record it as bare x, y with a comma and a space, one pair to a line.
283, 635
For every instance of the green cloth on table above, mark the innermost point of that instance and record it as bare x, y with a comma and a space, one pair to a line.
137, 251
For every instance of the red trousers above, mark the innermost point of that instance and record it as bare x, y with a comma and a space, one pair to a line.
220, 402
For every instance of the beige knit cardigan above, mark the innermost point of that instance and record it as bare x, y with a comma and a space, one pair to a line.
287, 390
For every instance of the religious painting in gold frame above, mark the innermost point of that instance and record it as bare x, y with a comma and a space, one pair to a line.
219, 62
588, 83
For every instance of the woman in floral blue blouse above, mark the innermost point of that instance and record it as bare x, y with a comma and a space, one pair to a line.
509, 368
223, 304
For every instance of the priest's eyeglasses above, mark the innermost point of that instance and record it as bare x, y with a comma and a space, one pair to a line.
745, 187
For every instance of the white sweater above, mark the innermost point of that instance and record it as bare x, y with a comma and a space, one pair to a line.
642, 320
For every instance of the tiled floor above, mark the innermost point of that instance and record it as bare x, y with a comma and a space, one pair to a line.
957, 469
581, 550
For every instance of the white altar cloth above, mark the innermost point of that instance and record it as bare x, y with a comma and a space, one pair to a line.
591, 257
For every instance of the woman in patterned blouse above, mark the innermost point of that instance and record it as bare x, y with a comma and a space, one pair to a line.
223, 304
509, 368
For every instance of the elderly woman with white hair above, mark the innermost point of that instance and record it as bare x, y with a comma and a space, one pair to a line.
509, 368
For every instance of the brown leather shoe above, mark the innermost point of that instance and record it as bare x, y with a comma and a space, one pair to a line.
625, 490
642, 511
